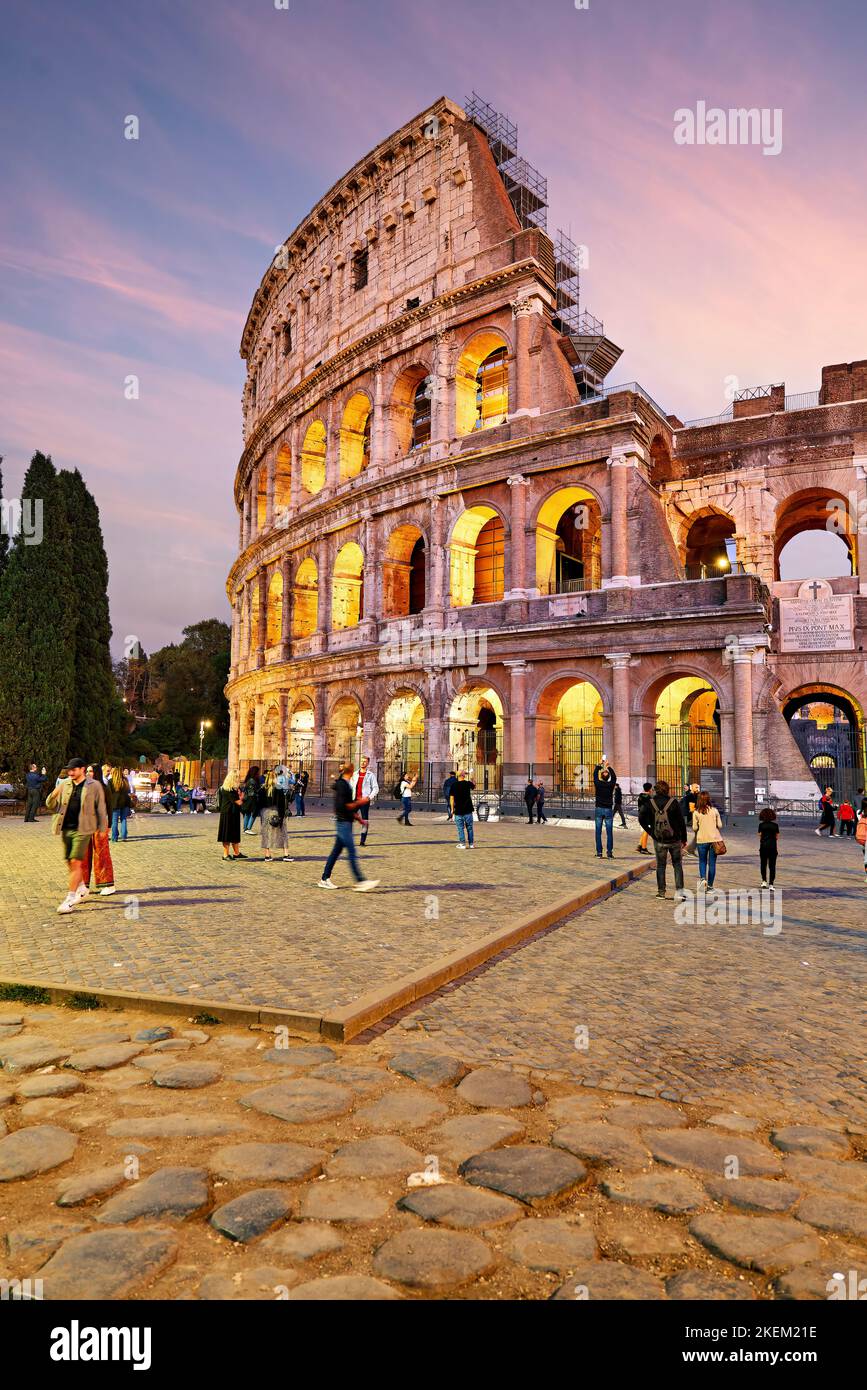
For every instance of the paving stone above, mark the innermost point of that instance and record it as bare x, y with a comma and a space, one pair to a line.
35, 1149
149, 1063
173, 1045
8, 1020
236, 1042
637, 1114
7, 1096
201, 1126
23, 1054
633, 1237
819, 1281
695, 1284
9, 1030
609, 1280
303, 1240
433, 1259
753, 1194
33, 1111
29, 1247
187, 1076
845, 1179
832, 1213
466, 1135
38, 1086
567, 1109
710, 1152
599, 1142
195, 1036
344, 1288
532, 1173
267, 1162
737, 1124
103, 1038
428, 1068
80, 1188
169, 1192
105, 1056
492, 1088
379, 1157
671, 1193
107, 1264
124, 1078
263, 1284
303, 1100
152, 1035
770, 1244
252, 1075
808, 1139
350, 1202
550, 1243
361, 1079
461, 1207
402, 1110
251, 1214
312, 1056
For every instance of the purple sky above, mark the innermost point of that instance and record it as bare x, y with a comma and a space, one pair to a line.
121, 257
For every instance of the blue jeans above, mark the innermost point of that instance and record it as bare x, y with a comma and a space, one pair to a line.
707, 863
118, 823
605, 816
407, 807
249, 817
465, 826
343, 841
299, 803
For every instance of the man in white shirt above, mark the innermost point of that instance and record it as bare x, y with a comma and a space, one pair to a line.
366, 788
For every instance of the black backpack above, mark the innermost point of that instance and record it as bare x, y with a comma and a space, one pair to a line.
662, 827
396, 792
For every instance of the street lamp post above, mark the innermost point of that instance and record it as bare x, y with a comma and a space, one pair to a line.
205, 724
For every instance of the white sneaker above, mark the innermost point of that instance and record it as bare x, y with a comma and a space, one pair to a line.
818, 832
702, 883
68, 903
326, 883
764, 884
460, 846
81, 892
287, 859
366, 885
107, 892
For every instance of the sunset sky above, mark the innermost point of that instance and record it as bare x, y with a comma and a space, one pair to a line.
121, 257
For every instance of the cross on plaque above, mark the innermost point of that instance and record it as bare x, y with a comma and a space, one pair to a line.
815, 590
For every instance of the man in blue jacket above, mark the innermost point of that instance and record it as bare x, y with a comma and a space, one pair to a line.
604, 782
35, 781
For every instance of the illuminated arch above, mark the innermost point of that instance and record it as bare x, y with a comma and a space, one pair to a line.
274, 619
282, 482
404, 723
709, 543
355, 436
403, 569
482, 383
477, 557
411, 409
313, 452
569, 542
345, 730
347, 587
476, 731
305, 599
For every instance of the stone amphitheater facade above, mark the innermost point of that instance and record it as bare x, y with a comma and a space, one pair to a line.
451, 551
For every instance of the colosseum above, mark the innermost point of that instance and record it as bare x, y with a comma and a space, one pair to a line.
458, 544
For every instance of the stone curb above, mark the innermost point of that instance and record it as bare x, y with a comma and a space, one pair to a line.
343, 1024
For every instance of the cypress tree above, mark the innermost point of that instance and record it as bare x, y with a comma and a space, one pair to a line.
37, 628
4, 538
95, 696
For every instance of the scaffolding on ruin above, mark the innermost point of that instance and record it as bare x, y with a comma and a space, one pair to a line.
526, 187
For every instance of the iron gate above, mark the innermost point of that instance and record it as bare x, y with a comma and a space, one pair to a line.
681, 753
576, 752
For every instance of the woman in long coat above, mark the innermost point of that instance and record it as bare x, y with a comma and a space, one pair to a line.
229, 824
272, 810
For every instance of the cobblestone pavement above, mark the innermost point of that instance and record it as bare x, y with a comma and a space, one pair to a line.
147, 1159
699, 1010
259, 933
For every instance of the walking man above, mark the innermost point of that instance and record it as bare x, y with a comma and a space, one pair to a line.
80, 804
663, 820
618, 803
346, 808
530, 794
35, 781
604, 782
301, 790
448, 784
366, 788
643, 799
540, 804
461, 806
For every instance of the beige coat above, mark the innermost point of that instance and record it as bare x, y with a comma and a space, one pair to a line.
708, 826
93, 815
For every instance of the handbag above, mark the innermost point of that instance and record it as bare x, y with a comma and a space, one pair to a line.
861, 831
275, 820
720, 847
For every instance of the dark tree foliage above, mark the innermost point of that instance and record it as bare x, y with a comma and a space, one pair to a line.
185, 685
37, 628
4, 535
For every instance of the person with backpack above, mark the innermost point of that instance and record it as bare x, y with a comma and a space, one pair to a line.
663, 820
708, 838
827, 804
118, 802
302, 780
769, 834
346, 808
846, 817
643, 799
366, 788
462, 809
618, 803
404, 789
604, 782
530, 795
448, 784
250, 803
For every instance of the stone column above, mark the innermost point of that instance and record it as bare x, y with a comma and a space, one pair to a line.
620, 755
621, 467
254, 503
518, 533
234, 737
286, 627
324, 567
436, 592
270, 484
245, 519
262, 580
742, 679
522, 311
332, 448
295, 475
377, 427
517, 750
258, 713
442, 416
320, 708
284, 726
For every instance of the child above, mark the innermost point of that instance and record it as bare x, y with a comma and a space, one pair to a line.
846, 817
768, 835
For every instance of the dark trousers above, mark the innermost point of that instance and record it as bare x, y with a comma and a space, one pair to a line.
618, 811
540, 812
768, 861
299, 803
365, 824
32, 804
847, 827
529, 805
343, 841
663, 850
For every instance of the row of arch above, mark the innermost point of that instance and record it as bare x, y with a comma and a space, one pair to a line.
710, 542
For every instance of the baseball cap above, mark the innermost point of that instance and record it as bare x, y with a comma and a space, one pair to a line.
76, 762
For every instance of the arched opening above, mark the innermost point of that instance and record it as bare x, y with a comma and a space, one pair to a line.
687, 732
482, 384
274, 621
282, 484
476, 735
345, 731
814, 539
355, 436
661, 470
301, 727
411, 409
255, 607
477, 558
827, 724
710, 547
575, 708
403, 569
313, 459
305, 600
569, 542
271, 736
404, 737
347, 587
